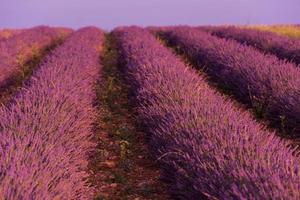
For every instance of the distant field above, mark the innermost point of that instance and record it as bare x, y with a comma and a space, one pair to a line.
178, 112
7, 33
285, 30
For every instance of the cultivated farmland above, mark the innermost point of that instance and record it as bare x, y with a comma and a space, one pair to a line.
179, 112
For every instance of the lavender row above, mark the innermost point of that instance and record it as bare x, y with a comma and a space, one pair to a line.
281, 46
45, 132
207, 146
269, 85
17, 50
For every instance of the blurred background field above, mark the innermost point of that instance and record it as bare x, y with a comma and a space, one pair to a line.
292, 31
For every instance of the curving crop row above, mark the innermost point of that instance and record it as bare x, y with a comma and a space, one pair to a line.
207, 146
17, 50
269, 85
283, 47
45, 132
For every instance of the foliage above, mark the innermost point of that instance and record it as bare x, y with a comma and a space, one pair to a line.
281, 46
264, 82
208, 147
45, 132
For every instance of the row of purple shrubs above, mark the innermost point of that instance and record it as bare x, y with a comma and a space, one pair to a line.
17, 50
281, 46
207, 146
45, 132
269, 85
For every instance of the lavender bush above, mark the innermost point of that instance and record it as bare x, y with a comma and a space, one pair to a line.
208, 147
269, 85
45, 131
281, 46
16, 50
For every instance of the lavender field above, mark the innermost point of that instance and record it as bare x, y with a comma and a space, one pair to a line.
158, 112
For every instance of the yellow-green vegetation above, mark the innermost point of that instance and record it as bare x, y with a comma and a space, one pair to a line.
286, 30
6, 33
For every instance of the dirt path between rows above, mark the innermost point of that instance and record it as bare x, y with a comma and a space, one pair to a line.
120, 167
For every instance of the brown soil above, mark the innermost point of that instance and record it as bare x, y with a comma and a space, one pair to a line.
121, 166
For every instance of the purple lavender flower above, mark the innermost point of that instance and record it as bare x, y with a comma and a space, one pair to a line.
281, 46
261, 81
45, 132
207, 146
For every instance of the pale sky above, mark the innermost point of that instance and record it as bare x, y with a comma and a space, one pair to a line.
111, 13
